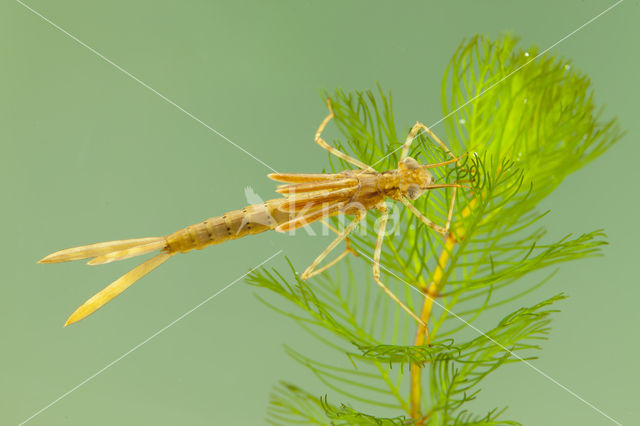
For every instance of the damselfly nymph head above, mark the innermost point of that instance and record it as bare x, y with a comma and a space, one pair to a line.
414, 178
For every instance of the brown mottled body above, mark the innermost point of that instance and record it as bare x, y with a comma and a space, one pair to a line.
235, 224
350, 191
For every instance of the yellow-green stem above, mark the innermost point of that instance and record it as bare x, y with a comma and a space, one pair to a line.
431, 292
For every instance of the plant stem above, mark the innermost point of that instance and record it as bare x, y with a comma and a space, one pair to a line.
431, 292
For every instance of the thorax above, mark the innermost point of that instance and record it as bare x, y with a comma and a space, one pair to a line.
374, 187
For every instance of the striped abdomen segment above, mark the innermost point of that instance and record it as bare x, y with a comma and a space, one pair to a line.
252, 219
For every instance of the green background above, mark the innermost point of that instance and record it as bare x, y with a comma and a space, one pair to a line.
88, 154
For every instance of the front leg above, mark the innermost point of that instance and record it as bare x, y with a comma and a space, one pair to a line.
413, 134
426, 220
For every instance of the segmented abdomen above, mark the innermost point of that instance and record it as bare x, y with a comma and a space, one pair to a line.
252, 219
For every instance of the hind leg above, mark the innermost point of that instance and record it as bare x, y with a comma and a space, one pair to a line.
341, 256
310, 271
333, 150
439, 229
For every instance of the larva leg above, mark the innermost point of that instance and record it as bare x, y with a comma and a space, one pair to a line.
376, 263
413, 133
429, 222
346, 252
348, 249
325, 267
333, 150
341, 236
443, 163
307, 219
450, 213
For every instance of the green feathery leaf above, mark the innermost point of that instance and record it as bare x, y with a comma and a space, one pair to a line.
525, 125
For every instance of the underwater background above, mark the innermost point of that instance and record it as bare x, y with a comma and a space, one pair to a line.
90, 154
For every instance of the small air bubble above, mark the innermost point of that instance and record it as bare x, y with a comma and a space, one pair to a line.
462, 121
526, 54
525, 100
567, 67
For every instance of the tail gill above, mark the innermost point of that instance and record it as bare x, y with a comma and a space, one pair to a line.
109, 252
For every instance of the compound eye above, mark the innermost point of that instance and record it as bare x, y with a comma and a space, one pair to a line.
414, 192
410, 163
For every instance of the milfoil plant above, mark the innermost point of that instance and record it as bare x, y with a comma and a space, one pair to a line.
524, 125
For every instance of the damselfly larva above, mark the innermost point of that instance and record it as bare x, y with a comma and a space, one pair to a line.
307, 198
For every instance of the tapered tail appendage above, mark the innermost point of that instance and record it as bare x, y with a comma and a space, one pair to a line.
108, 252
129, 252
100, 249
117, 287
